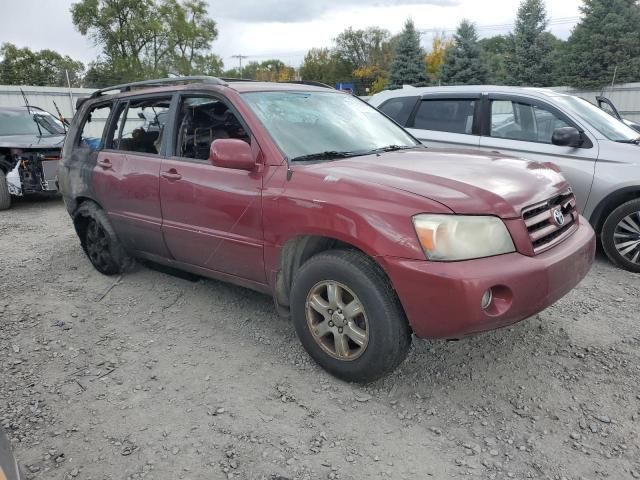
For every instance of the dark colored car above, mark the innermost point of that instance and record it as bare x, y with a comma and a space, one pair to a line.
359, 233
30, 143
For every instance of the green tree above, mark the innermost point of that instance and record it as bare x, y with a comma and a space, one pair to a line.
408, 66
147, 38
22, 66
494, 53
362, 48
529, 50
463, 64
322, 65
607, 38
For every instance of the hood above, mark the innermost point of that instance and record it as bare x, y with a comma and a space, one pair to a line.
31, 141
468, 182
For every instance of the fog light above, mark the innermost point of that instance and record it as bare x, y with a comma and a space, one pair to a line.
486, 299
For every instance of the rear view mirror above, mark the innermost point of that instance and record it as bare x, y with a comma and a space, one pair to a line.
567, 137
232, 153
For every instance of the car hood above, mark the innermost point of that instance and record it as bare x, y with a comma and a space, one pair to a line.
466, 181
31, 141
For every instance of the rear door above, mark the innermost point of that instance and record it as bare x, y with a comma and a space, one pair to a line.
523, 127
126, 175
447, 120
212, 216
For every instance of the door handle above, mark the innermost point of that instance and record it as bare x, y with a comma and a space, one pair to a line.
171, 175
106, 164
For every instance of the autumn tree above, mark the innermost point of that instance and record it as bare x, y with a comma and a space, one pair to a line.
435, 58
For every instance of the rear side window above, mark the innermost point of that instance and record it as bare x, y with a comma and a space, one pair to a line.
93, 126
140, 125
446, 115
399, 108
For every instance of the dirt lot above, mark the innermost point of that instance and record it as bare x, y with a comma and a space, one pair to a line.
174, 378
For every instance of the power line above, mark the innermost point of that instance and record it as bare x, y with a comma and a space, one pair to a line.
504, 26
240, 57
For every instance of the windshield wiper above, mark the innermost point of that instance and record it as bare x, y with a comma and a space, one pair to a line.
327, 155
393, 148
636, 141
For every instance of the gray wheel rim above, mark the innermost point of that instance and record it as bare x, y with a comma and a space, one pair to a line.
337, 320
626, 237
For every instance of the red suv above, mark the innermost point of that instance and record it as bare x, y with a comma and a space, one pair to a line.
359, 233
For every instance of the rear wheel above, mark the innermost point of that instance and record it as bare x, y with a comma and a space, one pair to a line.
99, 241
621, 236
348, 317
5, 196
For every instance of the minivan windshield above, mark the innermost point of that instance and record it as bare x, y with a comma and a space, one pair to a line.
325, 125
23, 122
610, 127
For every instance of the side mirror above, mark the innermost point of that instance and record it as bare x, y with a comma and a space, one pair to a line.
232, 153
567, 137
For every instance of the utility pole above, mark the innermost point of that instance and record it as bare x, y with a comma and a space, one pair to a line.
240, 58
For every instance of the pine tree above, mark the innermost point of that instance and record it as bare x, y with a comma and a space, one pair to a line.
529, 55
463, 64
608, 36
408, 65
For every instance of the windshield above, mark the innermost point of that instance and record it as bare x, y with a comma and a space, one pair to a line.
20, 122
309, 123
610, 127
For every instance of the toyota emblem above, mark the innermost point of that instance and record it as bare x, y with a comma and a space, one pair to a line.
558, 216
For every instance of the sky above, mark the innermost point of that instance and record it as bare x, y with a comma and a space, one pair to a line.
284, 29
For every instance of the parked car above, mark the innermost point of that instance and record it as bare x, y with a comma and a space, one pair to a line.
598, 154
360, 234
607, 105
8, 466
30, 143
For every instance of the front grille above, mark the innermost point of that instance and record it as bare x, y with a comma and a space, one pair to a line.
545, 230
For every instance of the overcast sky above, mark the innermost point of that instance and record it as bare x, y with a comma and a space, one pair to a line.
284, 29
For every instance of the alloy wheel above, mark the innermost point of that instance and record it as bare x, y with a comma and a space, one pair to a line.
337, 320
626, 237
97, 244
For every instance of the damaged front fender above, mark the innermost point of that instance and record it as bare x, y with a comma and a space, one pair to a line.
13, 181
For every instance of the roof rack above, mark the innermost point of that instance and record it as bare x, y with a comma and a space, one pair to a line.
126, 87
312, 83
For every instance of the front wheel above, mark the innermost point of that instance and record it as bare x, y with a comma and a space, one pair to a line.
5, 196
348, 317
621, 236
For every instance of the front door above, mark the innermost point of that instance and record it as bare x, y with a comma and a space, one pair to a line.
524, 127
212, 216
126, 175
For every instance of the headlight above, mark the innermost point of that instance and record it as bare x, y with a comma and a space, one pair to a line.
459, 237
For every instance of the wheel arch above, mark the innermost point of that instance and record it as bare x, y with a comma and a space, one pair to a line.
610, 203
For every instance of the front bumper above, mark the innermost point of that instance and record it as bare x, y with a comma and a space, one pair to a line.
442, 300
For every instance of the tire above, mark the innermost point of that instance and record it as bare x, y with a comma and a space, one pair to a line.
99, 241
387, 336
621, 236
5, 196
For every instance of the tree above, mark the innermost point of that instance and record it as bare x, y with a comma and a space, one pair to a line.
494, 53
147, 38
606, 39
322, 65
408, 67
463, 63
361, 48
435, 58
22, 66
529, 49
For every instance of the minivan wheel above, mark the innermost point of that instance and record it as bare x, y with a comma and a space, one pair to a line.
99, 240
621, 236
348, 317
5, 196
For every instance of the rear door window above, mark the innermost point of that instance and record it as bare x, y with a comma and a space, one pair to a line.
446, 115
399, 109
93, 126
140, 124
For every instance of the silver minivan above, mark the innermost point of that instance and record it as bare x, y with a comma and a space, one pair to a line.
597, 153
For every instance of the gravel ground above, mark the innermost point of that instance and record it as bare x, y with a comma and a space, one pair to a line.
166, 377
